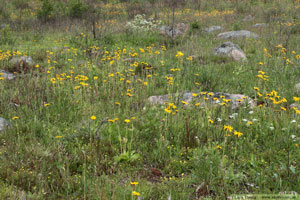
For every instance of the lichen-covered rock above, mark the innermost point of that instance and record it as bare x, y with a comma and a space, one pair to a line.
3, 124
213, 29
231, 50
205, 98
237, 34
7, 75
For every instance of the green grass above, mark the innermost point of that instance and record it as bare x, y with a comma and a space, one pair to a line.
56, 149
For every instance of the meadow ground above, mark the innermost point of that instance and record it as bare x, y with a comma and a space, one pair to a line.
81, 125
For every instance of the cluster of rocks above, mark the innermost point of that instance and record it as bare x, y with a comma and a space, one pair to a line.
10, 76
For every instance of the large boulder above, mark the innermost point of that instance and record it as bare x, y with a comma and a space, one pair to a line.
213, 29
237, 34
173, 32
7, 75
231, 50
3, 124
232, 100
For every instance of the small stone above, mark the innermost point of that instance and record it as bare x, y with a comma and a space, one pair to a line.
173, 32
260, 25
297, 87
26, 59
213, 29
237, 34
3, 124
248, 18
7, 75
236, 100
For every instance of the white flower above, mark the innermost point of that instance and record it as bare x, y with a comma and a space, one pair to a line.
254, 120
293, 121
219, 119
251, 112
272, 128
245, 120
231, 116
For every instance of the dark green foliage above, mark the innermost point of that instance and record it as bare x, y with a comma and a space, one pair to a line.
77, 9
44, 13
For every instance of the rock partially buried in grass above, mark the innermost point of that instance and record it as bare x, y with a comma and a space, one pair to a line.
231, 50
173, 32
7, 75
213, 29
3, 124
297, 87
204, 98
260, 25
24, 59
237, 34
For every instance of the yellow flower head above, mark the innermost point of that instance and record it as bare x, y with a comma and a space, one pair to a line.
228, 128
134, 183
93, 117
136, 193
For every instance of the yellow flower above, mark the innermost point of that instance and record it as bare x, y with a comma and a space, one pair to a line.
228, 128
37, 66
219, 147
194, 94
256, 88
185, 103
133, 118
283, 108
260, 63
134, 183
47, 104
179, 54
239, 134
190, 58
210, 94
117, 103
210, 121
296, 98
250, 123
135, 193
95, 77
15, 117
58, 136
127, 121
93, 117
168, 110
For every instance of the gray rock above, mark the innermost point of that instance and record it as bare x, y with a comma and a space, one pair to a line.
3, 123
7, 75
297, 87
237, 34
260, 25
231, 50
213, 29
248, 18
26, 59
177, 30
236, 100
